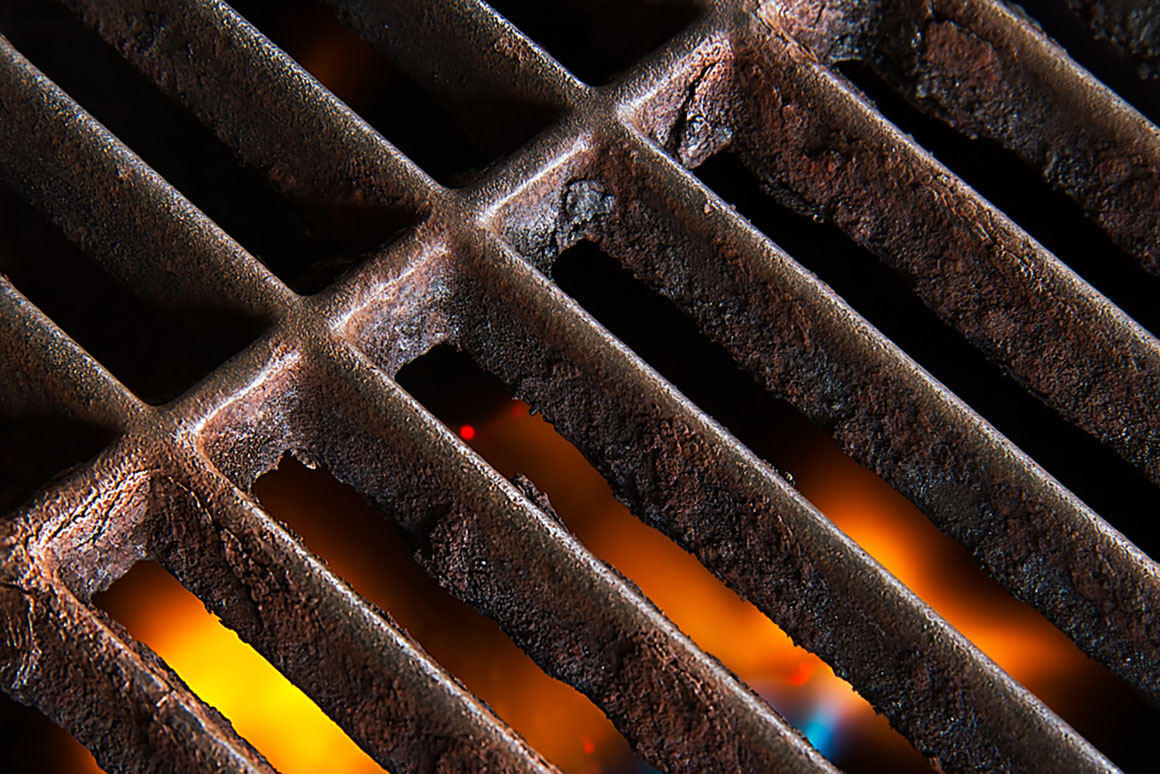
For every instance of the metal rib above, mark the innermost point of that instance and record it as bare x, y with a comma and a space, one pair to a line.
114, 206
111, 693
99, 524
488, 545
794, 742
47, 369
984, 70
684, 475
332, 643
656, 685
466, 55
802, 130
233, 267
1129, 27
846, 379
800, 342
258, 101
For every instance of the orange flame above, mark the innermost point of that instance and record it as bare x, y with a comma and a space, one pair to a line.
290, 730
264, 707
884, 523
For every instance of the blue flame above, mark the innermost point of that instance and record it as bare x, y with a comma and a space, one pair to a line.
819, 729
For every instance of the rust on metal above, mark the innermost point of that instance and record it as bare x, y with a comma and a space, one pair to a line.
472, 268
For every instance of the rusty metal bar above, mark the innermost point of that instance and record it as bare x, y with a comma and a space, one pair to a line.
988, 72
891, 416
82, 670
151, 496
801, 342
685, 476
473, 61
591, 176
489, 545
46, 369
258, 101
114, 696
1131, 27
767, 735
421, 691
333, 644
804, 132
114, 206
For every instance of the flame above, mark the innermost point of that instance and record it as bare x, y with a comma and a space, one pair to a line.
942, 573
563, 725
264, 707
283, 723
713, 616
368, 553
799, 684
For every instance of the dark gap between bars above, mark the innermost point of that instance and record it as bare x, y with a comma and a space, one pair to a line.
394, 101
597, 39
307, 244
33, 743
158, 352
475, 404
36, 446
147, 593
1100, 57
1053, 218
1094, 472
364, 548
1103, 709
40, 436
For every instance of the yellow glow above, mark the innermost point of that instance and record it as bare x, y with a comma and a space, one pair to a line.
559, 722
265, 708
711, 614
556, 720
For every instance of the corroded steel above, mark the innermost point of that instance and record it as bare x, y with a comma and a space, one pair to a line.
470, 270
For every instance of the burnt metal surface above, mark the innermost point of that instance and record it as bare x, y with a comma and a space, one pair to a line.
973, 267
470, 271
980, 67
1133, 26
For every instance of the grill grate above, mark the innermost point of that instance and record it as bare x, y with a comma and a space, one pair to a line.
470, 268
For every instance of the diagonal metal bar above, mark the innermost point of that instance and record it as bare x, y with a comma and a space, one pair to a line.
258, 101
45, 368
488, 545
114, 206
801, 342
84, 672
988, 72
685, 476
329, 641
854, 380
804, 133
